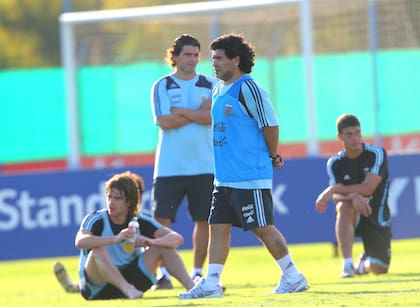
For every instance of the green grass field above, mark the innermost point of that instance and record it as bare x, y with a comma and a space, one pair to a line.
249, 275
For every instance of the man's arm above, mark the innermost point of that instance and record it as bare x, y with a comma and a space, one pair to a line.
87, 240
161, 105
172, 121
164, 237
271, 136
183, 116
201, 116
366, 188
354, 193
358, 201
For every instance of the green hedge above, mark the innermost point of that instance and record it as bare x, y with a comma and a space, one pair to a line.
115, 115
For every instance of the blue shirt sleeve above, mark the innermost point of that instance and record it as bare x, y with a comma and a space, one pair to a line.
259, 104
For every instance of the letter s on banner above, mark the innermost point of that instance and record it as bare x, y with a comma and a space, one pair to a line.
9, 215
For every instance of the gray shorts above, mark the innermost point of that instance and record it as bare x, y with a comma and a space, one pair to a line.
244, 208
168, 193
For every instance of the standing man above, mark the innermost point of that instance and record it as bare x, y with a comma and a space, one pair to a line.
184, 164
359, 184
109, 271
245, 134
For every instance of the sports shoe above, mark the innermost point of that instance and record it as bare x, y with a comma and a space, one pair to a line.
200, 290
360, 268
289, 287
162, 283
196, 278
348, 272
64, 279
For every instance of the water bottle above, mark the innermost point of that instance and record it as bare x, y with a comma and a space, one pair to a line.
129, 244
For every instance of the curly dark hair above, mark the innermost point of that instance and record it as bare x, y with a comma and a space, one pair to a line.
235, 45
179, 42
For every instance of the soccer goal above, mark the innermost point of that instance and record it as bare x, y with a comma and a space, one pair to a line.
353, 49
132, 43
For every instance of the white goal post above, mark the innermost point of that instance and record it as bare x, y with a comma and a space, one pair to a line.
68, 22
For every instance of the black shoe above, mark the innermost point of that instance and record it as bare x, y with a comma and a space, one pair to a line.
162, 283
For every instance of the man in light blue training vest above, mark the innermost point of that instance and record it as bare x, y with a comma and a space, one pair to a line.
107, 270
245, 141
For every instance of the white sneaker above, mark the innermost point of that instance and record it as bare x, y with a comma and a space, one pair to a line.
289, 287
348, 272
360, 268
200, 290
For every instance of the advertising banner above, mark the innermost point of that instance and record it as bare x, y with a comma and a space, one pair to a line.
41, 213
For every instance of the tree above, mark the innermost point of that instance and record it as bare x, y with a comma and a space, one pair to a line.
29, 29
29, 33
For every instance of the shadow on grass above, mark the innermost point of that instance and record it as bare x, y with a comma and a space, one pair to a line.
367, 292
388, 278
406, 274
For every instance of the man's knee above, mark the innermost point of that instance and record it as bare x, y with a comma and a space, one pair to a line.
344, 207
375, 266
99, 254
346, 213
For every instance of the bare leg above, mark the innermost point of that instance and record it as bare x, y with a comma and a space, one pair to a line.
100, 269
273, 240
344, 228
219, 243
166, 223
291, 280
172, 261
200, 242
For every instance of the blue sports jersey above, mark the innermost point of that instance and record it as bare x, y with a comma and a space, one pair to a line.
241, 154
187, 150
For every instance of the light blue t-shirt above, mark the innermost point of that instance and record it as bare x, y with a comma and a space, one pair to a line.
187, 150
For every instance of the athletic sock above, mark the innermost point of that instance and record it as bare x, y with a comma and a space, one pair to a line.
214, 271
196, 271
165, 273
288, 268
348, 263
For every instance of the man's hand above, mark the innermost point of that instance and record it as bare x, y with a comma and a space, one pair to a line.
205, 103
142, 241
124, 235
323, 199
361, 204
277, 161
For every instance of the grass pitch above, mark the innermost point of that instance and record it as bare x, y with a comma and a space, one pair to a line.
249, 275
